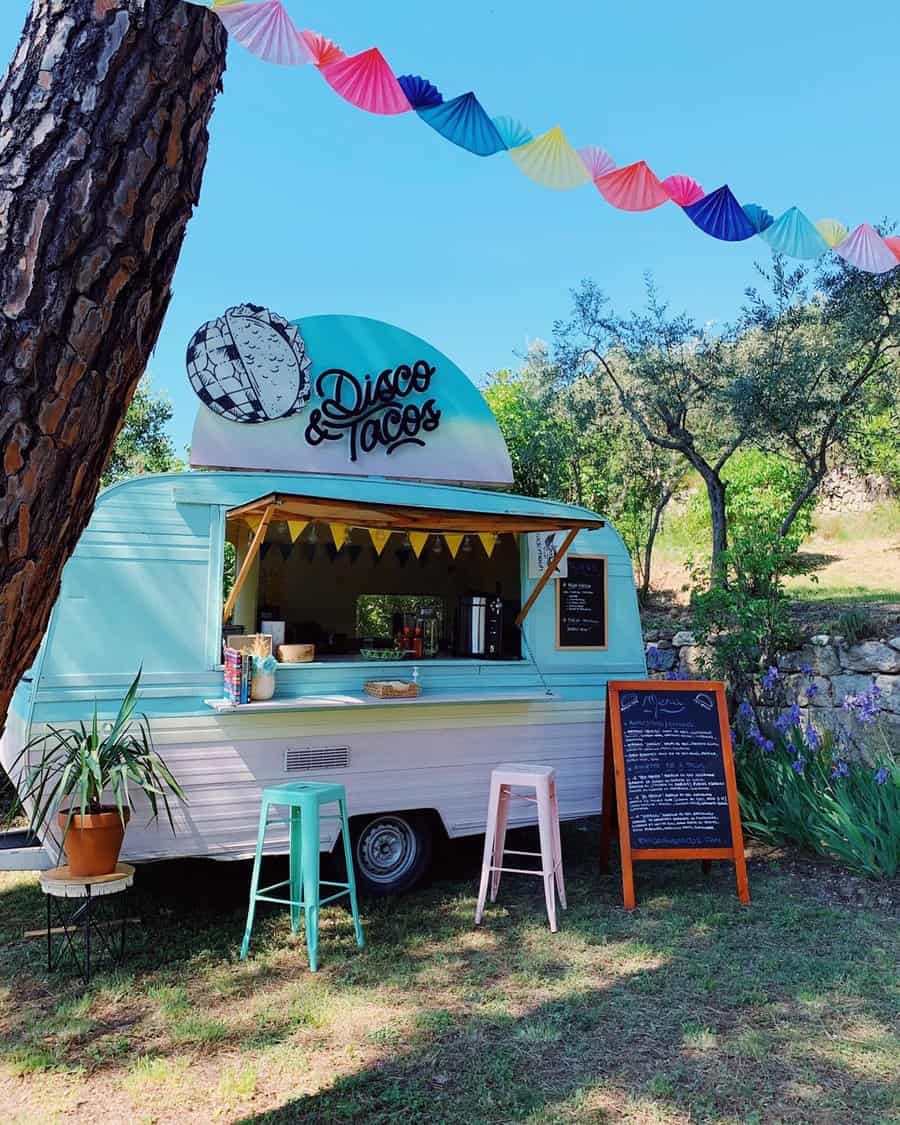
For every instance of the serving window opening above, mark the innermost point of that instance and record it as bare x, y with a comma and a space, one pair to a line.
356, 595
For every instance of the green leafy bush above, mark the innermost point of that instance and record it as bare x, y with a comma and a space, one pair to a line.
875, 449
798, 784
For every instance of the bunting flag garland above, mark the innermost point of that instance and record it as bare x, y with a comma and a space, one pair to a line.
453, 540
488, 541
339, 533
417, 540
367, 81
296, 528
379, 537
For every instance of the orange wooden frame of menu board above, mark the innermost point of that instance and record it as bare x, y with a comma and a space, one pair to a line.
614, 787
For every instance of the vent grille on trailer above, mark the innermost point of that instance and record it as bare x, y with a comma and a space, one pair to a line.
302, 758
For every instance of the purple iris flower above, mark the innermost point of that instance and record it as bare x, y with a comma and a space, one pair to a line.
840, 769
768, 746
782, 723
806, 668
812, 690
881, 775
813, 741
771, 678
798, 764
745, 712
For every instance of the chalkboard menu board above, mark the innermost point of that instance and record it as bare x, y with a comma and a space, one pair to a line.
674, 770
668, 755
581, 604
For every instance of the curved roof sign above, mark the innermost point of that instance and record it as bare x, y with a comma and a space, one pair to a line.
341, 395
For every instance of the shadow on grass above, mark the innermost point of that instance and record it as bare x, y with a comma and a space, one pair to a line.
692, 1002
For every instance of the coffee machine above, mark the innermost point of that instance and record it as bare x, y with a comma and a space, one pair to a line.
479, 626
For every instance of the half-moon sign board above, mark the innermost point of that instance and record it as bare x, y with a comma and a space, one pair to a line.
338, 395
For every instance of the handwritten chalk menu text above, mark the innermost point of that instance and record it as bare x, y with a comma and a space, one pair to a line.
581, 604
668, 777
674, 772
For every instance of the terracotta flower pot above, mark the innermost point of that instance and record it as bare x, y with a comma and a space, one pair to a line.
93, 841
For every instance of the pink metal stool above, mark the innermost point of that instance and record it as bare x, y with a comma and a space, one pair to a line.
504, 779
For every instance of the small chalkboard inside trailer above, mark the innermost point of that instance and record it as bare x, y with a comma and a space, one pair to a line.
668, 765
581, 604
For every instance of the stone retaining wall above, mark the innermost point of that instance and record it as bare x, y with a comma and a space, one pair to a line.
835, 668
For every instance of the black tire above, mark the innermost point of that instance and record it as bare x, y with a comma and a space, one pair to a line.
391, 851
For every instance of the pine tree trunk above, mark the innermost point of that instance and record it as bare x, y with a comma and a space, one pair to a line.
103, 141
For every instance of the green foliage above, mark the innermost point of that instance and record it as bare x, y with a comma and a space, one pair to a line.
143, 445
229, 570
875, 447
81, 764
761, 489
853, 626
797, 786
740, 611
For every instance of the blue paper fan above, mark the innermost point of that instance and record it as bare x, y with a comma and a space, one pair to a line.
513, 132
793, 234
420, 93
720, 216
758, 216
463, 122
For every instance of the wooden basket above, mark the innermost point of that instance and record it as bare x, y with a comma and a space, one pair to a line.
392, 689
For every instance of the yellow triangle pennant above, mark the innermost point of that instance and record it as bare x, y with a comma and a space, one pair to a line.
379, 537
295, 528
417, 540
453, 540
253, 522
488, 541
339, 532
515, 536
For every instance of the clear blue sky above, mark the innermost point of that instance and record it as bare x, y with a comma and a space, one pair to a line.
312, 206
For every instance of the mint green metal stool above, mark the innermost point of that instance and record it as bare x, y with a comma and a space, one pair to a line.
305, 800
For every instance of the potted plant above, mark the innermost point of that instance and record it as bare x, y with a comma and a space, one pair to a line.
86, 776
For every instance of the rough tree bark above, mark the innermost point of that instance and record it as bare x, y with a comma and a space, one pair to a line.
103, 141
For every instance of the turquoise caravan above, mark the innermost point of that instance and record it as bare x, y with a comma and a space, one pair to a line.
354, 493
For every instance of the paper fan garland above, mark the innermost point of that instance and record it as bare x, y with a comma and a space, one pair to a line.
266, 31
463, 122
866, 249
597, 160
551, 161
322, 51
832, 231
419, 91
760, 219
793, 234
721, 216
513, 132
683, 190
366, 81
632, 188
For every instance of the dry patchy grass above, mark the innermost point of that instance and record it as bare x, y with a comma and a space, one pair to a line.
692, 1009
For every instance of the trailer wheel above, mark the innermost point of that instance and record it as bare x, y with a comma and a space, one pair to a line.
391, 851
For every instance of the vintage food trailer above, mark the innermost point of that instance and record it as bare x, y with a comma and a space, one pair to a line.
343, 457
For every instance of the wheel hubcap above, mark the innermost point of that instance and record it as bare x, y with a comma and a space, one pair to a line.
386, 850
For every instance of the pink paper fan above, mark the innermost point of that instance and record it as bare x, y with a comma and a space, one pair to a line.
893, 244
683, 190
866, 249
632, 188
322, 50
366, 81
597, 160
266, 31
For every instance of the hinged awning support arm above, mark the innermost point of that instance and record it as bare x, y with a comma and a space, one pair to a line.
546, 576
249, 558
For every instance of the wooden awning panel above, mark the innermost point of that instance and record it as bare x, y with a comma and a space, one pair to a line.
402, 517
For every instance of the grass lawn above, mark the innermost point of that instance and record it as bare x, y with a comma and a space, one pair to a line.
692, 1009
